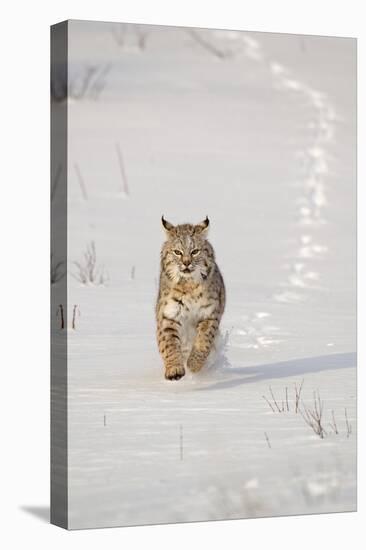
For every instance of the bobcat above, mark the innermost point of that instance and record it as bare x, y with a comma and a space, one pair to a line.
191, 299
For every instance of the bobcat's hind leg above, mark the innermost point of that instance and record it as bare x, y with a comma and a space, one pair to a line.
206, 333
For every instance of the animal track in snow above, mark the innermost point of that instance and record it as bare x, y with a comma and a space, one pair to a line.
310, 206
252, 334
314, 168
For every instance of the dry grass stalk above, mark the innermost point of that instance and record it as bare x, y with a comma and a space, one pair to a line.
88, 270
211, 48
287, 405
75, 310
314, 416
348, 424
275, 405
267, 439
141, 36
125, 188
81, 181
279, 409
90, 81
333, 424
269, 403
60, 313
119, 34
99, 82
298, 395
57, 270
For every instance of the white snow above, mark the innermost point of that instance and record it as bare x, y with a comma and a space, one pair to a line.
242, 139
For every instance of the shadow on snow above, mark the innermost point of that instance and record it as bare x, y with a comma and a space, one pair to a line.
283, 369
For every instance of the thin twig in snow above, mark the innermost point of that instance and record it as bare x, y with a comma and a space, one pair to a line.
81, 181
267, 439
86, 80
121, 164
274, 401
99, 82
333, 424
298, 396
264, 397
74, 310
287, 406
207, 45
119, 32
348, 424
141, 36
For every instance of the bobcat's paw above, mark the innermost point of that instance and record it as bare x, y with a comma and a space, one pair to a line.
174, 373
195, 362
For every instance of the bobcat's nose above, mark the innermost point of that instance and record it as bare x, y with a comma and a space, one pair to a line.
187, 261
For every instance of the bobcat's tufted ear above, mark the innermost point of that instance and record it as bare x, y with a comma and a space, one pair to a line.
169, 227
202, 227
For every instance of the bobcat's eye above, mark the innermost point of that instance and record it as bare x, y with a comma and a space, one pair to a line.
177, 252
195, 251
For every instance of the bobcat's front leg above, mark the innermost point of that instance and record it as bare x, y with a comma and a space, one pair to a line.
206, 332
170, 348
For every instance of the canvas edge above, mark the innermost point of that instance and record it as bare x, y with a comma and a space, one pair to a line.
58, 298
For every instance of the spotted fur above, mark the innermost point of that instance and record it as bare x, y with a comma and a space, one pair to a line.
191, 299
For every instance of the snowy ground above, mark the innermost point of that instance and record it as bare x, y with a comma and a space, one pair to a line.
258, 132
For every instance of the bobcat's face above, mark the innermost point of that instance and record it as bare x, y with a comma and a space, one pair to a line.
186, 253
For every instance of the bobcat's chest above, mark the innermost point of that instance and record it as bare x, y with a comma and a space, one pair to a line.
185, 310
188, 309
